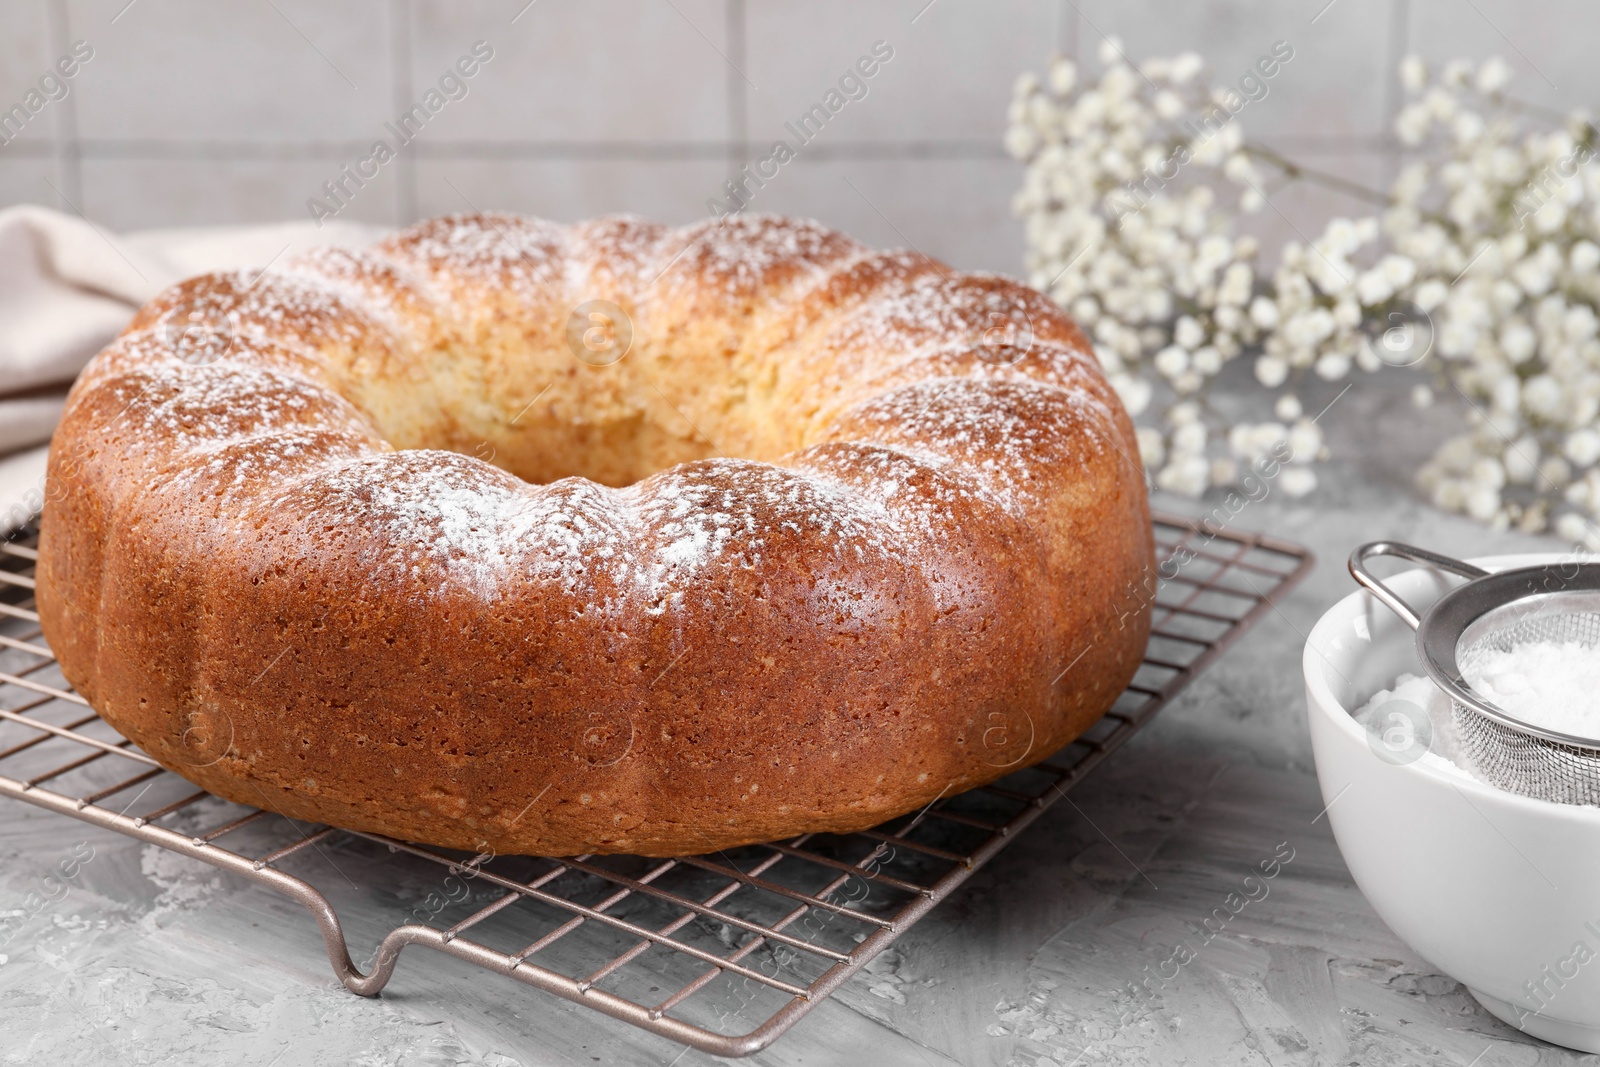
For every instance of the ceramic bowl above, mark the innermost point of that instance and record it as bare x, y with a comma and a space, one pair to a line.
1500, 892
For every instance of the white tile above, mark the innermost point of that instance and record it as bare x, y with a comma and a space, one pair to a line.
127, 194
293, 70
955, 210
1336, 86
24, 47
670, 191
24, 59
625, 70
26, 180
949, 78
1549, 47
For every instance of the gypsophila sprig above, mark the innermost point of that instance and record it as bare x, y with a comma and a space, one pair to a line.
1482, 270
1132, 187
1503, 231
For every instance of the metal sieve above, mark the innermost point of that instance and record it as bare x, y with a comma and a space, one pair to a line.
1492, 612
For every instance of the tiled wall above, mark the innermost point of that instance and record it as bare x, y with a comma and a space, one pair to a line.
204, 111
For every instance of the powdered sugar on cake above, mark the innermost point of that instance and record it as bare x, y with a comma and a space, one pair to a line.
919, 451
739, 512
990, 427
440, 516
743, 255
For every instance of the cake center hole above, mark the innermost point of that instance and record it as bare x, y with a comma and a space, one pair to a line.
597, 398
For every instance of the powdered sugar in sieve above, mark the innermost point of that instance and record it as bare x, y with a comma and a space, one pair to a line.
1489, 645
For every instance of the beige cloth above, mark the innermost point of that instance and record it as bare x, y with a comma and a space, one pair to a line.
68, 286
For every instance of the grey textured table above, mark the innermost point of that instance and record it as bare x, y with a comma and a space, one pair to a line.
154, 959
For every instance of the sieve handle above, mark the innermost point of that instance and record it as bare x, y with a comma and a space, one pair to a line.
1358, 571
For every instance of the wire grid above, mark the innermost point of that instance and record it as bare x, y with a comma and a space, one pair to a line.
721, 952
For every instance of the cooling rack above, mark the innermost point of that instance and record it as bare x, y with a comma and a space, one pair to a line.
722, 952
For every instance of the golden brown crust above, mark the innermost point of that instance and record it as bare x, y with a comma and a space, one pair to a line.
287, 550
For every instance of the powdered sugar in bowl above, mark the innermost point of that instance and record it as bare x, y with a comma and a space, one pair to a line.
1497, 890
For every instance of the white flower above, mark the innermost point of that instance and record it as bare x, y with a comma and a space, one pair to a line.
1542, 394
1188, 475
1185, 67
1152, 448
1184, 413
1582, 447
1063, 76
1271, 371
1487, 263
1534, 275
1450, 495
1333, 366
1579, 323
1236, 282
1411, 125
1493, 75
1021, 141
1397, 270
1188, 332
1411, 184
1251, 441
1310, 328
1366, 356
1297, 481
1467, 126
1572, 527
1172, 360
1431, 294
1190, 438
1134, 392
1522, 461
1554, 471
1413, 74
1482, 503
1263, 312
1457, 338
1341, 237
1487, 473
1373, 288
1305, 441
1518, 342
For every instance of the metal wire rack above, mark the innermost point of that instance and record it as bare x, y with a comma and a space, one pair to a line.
721, 952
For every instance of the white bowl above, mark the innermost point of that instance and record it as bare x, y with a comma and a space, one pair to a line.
1498, 891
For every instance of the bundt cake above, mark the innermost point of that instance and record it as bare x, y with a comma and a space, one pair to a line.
544, 539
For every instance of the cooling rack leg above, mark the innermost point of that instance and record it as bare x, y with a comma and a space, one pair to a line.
301, 892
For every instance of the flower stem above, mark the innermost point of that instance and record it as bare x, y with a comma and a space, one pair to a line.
1311, 174
1549, 114
1519, 104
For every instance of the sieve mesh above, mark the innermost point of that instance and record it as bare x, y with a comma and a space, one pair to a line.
1513, 759
1557, 601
